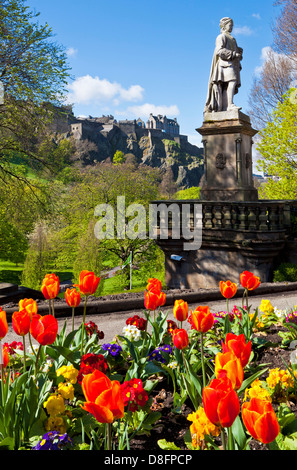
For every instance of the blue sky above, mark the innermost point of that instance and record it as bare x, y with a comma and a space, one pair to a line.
130, 58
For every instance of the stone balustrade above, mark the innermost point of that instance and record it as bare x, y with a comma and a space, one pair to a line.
259, 216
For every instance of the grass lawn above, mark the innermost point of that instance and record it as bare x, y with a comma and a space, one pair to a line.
11, 273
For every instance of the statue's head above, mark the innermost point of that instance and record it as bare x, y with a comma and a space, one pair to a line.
226, 24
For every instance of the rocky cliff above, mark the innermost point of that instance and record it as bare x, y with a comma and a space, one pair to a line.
174, 155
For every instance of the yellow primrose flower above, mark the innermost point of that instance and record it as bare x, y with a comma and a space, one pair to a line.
278, 376
69, 373
66, 390
55, 424
201, 427
257, 391
55, 405
266, 306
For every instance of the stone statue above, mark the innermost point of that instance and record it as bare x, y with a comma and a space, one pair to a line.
224, 79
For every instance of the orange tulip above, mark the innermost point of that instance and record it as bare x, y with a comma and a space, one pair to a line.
72, 297
180, 338
30, 305
154, 284
238, 346
153, 300
260, 420
202, 319
104, 398
227, 364
21, 322
50, 286
5, 356
228, 289
44, 329
3, 324
87, 283
180, 310
221, 402
249, 281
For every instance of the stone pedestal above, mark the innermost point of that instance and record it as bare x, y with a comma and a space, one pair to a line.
228, 173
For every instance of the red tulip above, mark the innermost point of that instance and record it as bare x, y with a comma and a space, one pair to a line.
260, 420
44, 329
30, 305
21, 322
3, 324
153, 300
238, 346
87, 283
180, 338
227, 364
249, 281
154, 285
202, 319
72, 297
228, 289
50, 286
221, 402
104, 398
180, 310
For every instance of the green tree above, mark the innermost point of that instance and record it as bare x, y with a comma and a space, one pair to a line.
118, 158
278, 150
34, 74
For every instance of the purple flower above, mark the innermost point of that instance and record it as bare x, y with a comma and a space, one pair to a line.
53, 441
113, 349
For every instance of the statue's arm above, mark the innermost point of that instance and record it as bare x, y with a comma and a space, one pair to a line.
223, 52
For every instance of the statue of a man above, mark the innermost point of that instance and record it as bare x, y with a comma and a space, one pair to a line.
224, 78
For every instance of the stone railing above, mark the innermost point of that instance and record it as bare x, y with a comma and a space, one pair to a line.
259, 216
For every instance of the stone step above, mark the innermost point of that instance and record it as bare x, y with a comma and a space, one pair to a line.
6, 288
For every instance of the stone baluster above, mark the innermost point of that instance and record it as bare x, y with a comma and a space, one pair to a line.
218, 215
263, 218
252, 217
207, 218
242, 217
227, 216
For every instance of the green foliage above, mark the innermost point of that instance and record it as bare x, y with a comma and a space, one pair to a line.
189, 193
286, 272
118, 158
34, 74
278, 151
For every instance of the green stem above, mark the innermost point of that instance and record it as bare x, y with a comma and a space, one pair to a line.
37, 359
223, 437
2, 374
83, 326
72, 318
85, 309
53, 307
108, 436
202, 360
24, 352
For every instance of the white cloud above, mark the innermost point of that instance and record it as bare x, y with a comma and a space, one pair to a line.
71, 52
145, 109
265, 54
256, 15
242, 31
87, 89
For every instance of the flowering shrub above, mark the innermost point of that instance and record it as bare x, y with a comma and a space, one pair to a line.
75, 391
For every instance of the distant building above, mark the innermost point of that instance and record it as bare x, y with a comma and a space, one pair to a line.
170, 126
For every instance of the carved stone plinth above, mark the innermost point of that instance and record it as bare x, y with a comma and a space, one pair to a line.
236, 236
228, 171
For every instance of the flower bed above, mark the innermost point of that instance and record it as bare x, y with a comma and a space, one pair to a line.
208, 380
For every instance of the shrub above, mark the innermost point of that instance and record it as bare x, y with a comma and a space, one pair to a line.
285, 272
